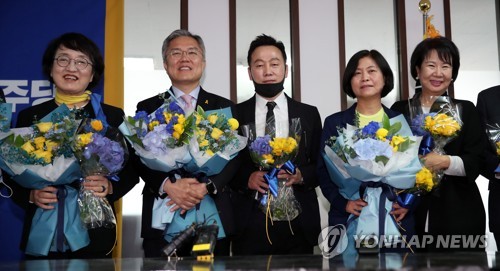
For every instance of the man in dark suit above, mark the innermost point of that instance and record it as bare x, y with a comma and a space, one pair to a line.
268, 70
184, 61
487, 105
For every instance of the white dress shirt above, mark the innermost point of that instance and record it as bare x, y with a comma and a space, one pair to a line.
280, 114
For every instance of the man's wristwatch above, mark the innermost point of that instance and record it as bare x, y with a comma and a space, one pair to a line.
211, 188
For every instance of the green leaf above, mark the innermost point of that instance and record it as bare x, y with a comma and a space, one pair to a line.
393, 129
386, 124
382, 159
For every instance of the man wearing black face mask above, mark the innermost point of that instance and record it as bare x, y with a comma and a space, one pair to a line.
268, 70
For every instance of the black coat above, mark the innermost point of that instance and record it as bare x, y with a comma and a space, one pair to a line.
310, 120
489, 111
153, 178
102, 240
457, 207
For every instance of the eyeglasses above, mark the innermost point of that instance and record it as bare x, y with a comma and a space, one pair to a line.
80, 63
192, 54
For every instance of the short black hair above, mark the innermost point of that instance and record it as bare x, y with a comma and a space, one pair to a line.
352, 65
447, 52
265, 40
77, 42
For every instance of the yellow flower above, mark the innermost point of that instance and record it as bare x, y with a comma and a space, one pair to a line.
180, 118
382, 133
153, 124
45, 155
498, 148
178, 130
209, 152
28, 147
201, 133
396, 140
233, 123
44, 126
268, 158
204, 143
290, 145
216, 133
212, 118
424, 179
51, 145
96, 125
199, 118
442, 125
277, 145
84, 139
39, 142
167, 116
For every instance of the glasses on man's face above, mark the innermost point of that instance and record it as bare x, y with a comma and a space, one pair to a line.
80, 63
192, 54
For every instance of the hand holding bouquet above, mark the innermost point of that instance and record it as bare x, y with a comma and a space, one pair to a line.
374, 159
438, 127
214, 144
101, 151
40, 156
273, 155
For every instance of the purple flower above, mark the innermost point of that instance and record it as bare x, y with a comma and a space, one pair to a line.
418, 123
159, 115
141, 115
154, 141
109, 153
368, 149
370, 129
175, 108
113, 158
261, 145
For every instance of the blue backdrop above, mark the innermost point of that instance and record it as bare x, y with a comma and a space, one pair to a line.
26, 27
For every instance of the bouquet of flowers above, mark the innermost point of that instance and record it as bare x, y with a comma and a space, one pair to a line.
273, 155
101, 150
375, 161
160, 139
40, 156
438, 127
214, 143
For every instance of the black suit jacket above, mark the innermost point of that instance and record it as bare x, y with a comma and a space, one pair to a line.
101, 240
489, 111
457, 198
153, 179
306, 161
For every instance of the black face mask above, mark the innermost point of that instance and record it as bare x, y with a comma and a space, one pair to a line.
269, 90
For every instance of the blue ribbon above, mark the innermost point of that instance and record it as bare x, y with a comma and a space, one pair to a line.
426, 145
113, 177
95, 100
271, 178
405, 200
387, 193
61, 199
